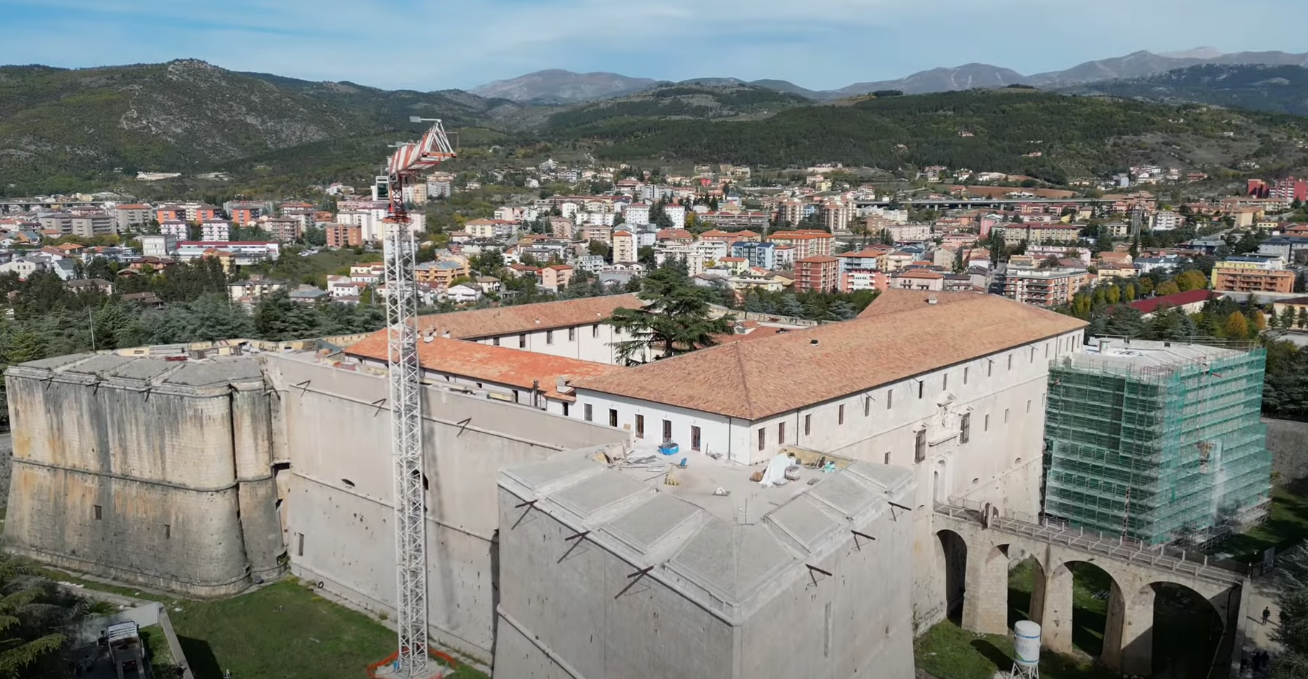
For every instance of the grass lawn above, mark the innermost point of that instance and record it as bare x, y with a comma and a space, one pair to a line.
282, 631
1286, 526
950, 652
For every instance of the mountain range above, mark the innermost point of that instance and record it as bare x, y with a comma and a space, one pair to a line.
563, 87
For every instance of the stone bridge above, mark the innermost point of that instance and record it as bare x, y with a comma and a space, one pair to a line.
978, 554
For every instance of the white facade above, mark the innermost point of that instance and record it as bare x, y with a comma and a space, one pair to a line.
590, 342
1166, 220
637, 214
677, 214
178, 230
162, 245
215, 231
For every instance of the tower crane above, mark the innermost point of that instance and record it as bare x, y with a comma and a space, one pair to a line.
408, 161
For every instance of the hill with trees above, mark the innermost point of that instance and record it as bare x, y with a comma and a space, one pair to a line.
1279, 89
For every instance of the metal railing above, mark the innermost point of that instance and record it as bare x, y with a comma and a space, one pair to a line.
1117, 547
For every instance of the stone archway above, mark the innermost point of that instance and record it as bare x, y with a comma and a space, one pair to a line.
1170, 630
1090, 628
951, 564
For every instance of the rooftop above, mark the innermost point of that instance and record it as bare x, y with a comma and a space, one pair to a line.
900, 335
1144, 355
1148, 306
722, 549
524, 318
513, 367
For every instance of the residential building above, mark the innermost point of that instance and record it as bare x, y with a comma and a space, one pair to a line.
245, 213
1041, 233
162, 245
242, 252
806, 243
132, 217
624, 247
92, 224
308, 294
908, 233
727, 219
252, 289
1166, 220
555, 277
463, 293
1228, 278
677, 214
441, 273
57, 222
817, 274
1157, 441
637, 214
343, 235
918, 279
176, 229
600, 233
1044, 287
283, 229
215, 230
492, 229
675, 235
835, 215
784, 256
762, 255
562, 227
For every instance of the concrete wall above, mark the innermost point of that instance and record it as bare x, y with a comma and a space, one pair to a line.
161, 488
1288, 441
337, 503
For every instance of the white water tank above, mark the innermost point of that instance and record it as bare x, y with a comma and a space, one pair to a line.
1026, 643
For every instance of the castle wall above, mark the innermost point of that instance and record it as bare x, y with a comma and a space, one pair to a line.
135, 478
337, 505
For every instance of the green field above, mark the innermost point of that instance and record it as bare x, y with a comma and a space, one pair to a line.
1285, 527
282, 631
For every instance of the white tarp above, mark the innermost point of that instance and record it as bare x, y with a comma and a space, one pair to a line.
775, 475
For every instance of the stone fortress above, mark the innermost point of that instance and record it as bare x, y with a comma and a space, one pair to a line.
207, 471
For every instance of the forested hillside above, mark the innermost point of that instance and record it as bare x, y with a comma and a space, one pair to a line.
1045, 135
1280, 89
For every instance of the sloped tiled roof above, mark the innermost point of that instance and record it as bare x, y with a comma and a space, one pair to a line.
899, 336
511, 320
482, 362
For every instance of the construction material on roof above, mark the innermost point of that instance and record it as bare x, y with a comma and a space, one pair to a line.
1157, 441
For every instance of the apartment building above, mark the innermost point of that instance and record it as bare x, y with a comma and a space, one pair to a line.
917, 279
790, 212
215, 230
92, 224
1041, 233
439, 274
343, 235
555, 277
806, 243
762, 255
637, 214
132, 217
624, 247
909, 233
817, 274
1044, 287
836, 215
1228, 278
283, 229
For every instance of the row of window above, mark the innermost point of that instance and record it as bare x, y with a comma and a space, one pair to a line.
549, 336
696, 435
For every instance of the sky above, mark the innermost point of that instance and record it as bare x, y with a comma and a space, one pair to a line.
441, 44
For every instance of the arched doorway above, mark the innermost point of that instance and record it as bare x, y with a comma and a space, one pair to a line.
951, 564
939, 482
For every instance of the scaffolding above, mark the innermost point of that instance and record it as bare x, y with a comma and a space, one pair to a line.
1156, 442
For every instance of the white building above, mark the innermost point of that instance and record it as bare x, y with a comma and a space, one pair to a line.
677, 214
215, 230
463, 293
951, 385
162, 245
243, 252
637, 214
178, 230
1166, 220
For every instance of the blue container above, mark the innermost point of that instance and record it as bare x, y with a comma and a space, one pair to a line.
669, 448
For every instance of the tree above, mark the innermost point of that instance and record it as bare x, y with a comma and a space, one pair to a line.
1168, 288
1286, 319
1191, 280
1128, 293
34, 614
676, 318
646, 255
1236, 326
1302, 321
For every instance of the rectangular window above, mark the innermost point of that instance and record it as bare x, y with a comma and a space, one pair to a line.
1010, 361
572, 334
945, 382
840, 415
168, 532
887, 457
299, 544
990, 368
965, 375
1046, 350
549, 337
1033, 354
965, 428
613, 417
522, 341
808, 425
640, 426
1044, 400
496, 341
565, 409
921, 388
667, 430
694, 438
99, 513
762, 435
1028, 405
594, 330
1005, 415
589, 412
890, 399
781, 433
515, 396
919, 446
985, 425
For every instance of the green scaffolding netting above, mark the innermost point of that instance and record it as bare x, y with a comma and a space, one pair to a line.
1157, 453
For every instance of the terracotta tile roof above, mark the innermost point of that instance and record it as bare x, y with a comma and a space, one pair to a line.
902, 336
511, 320
920, 273
484, 363
1148, 306
817, 259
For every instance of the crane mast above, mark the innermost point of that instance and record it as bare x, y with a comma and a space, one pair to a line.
405, 375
